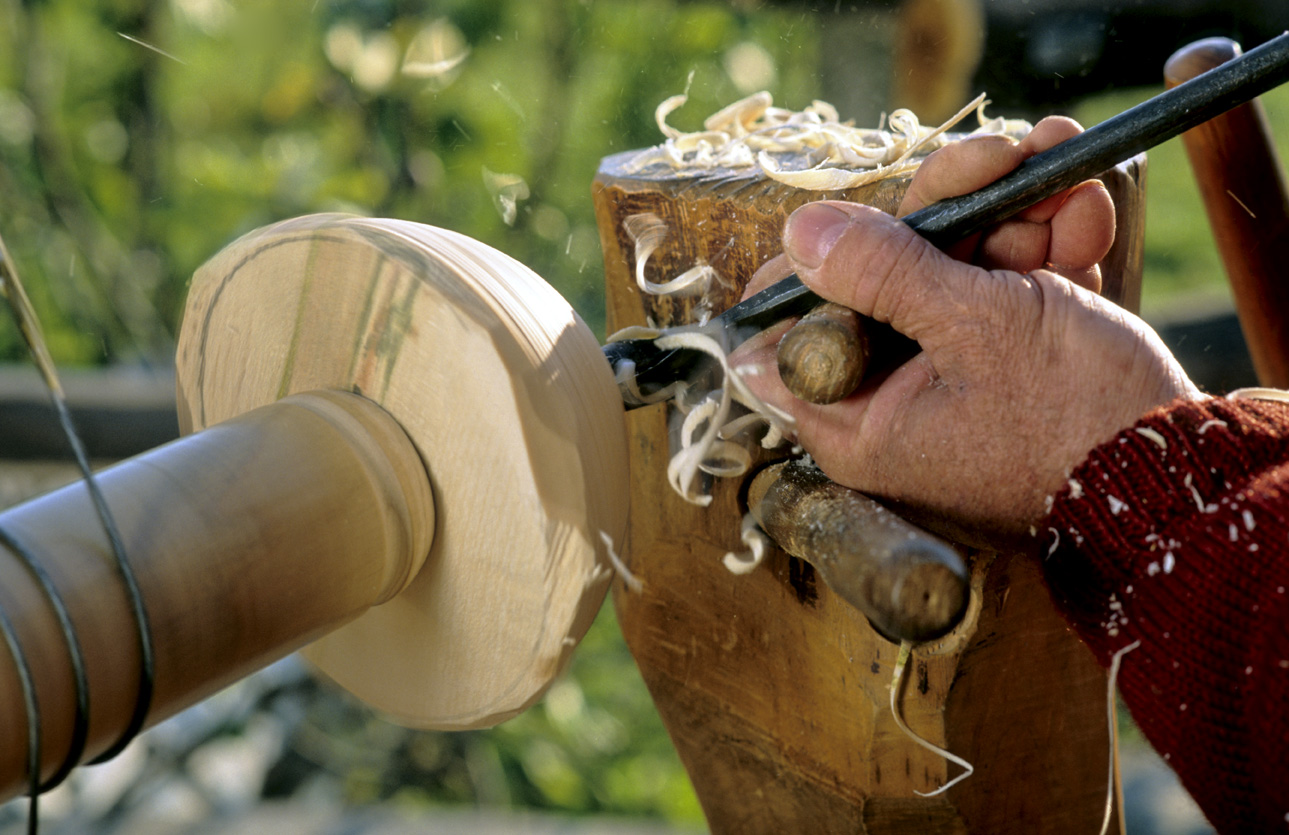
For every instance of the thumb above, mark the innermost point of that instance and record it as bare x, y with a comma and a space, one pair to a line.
865, 259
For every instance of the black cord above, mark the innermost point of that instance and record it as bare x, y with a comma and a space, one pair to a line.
80, 723
33, 721
15, 297
147, 671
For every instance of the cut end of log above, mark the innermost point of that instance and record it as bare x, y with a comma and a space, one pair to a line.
922, 599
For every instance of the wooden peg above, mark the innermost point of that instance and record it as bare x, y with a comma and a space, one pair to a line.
911, 585
823, 357
1242, 184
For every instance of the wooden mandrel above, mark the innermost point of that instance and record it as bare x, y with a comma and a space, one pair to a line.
911, 585
823, 357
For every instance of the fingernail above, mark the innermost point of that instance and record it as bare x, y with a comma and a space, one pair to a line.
812, 231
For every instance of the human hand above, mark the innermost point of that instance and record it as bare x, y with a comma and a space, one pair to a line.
1023, 369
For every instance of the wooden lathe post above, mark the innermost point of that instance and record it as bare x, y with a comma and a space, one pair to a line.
774, 691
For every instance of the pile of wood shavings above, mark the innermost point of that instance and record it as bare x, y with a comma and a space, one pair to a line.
837, 155
708, 431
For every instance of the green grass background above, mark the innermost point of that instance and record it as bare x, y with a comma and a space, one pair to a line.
1182, 273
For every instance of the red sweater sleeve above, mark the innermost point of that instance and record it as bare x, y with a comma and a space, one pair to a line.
1176, 534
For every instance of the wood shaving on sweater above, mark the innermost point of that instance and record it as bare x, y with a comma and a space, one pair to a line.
1199, 500
1154, 436
752, 132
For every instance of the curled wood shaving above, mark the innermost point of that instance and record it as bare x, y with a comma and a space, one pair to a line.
1111, 682
648, 232
752, 132
707, 433
631, 581
702, 449
756, 541
897, 684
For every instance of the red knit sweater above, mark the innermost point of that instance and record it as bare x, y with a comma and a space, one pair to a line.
1176, 534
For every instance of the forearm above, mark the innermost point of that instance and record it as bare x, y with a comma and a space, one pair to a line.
1176, 534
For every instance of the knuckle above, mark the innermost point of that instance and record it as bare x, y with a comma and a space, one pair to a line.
893, 265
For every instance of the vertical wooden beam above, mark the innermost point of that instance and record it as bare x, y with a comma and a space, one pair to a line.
938, 46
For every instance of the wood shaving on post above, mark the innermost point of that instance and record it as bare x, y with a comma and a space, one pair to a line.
753, 133
702, 447
897, 684
631, 581
756, 541
707, 432
648, 232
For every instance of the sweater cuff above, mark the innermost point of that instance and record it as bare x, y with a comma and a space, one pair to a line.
1190, 485
1172, 534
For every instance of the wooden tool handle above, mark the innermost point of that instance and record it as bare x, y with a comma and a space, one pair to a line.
823, 357
911, 585
1242, 183
248, 540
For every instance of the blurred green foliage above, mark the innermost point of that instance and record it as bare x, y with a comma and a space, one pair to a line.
592, 744
137, 138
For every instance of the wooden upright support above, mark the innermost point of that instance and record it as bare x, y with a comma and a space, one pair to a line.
1243, 187
775, 692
